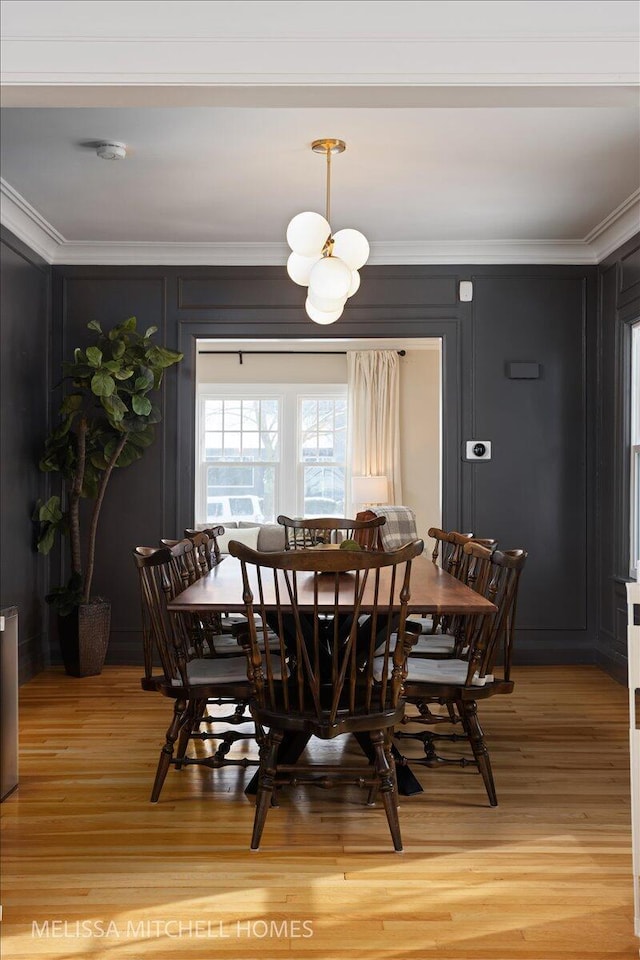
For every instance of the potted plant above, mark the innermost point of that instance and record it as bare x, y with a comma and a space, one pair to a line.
106, 421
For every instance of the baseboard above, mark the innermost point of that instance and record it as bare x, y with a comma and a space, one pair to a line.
31, 657
613, 664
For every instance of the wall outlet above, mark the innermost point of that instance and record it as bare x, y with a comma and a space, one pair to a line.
477, 450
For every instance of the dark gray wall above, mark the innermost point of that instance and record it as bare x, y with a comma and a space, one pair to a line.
619, 308
24, 406
536, 492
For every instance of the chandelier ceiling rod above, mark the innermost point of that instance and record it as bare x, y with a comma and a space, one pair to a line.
328, 147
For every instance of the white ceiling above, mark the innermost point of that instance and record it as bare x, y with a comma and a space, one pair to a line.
541, 167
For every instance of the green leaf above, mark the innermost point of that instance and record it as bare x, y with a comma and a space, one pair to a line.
142, 439
129, 324
71, 404
118, 349
50, 511
155, 415
114, 407
48, 464
94, 325
76, 370
98, 460
161, 357
66, 599
144, 382
149, 332
90, 484
47, 540
102, 384
94, 356
141, 405
124, 374
128, 455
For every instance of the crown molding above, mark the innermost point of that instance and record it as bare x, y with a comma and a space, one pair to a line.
618, 227
23, 220
313, 60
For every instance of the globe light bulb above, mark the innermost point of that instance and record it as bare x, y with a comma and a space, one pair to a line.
307, 234
330, 278
352, 247
320, 316
355, 283
325, 304
299, 268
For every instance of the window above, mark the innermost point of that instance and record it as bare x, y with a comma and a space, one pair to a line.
322, 442
264, 450
635, 450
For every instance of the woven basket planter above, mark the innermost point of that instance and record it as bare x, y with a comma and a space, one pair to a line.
84, 638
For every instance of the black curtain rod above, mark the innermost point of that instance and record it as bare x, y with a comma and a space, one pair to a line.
298, 353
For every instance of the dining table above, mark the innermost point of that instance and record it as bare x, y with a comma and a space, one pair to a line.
432, 591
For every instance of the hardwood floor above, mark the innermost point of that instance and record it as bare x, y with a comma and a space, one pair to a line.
544, 876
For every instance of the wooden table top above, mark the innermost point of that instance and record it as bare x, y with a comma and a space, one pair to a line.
432, 591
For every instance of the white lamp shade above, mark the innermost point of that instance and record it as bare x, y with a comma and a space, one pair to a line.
307, 234
325, 304
352, 247
299, 268
330, 278
321, 316
355, 283
369, 490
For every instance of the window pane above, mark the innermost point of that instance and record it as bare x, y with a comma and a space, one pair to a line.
232, 442
213, 415
241, 492
323, 440
251, 445
212, 446
250, 414
269, 446
269, 415
232, 414
309, 415
340, 444
310, 448
324, 491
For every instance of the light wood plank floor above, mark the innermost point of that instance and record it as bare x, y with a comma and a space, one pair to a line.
544, 876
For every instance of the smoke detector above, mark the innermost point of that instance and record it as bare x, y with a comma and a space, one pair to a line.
111, 150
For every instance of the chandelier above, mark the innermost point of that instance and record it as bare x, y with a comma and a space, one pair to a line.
327, 264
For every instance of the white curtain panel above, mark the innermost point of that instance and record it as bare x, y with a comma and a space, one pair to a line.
373, 378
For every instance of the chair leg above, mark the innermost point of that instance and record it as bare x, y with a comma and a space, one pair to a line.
468, 711
166, 754
194, 713
381, 742
268, 763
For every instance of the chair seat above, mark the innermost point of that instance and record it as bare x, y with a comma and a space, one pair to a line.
234, 621
435, 643
443, 671
452, 672
426, 623
231, 670
225, 644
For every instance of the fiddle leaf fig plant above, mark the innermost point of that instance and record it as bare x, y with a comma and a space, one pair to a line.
106, 421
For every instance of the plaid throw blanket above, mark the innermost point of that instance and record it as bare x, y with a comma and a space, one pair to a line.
400, 527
